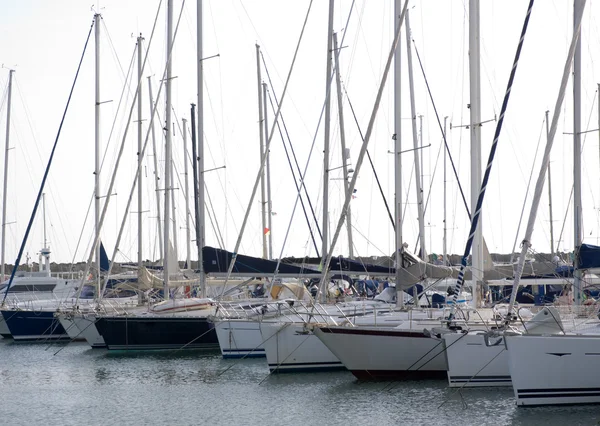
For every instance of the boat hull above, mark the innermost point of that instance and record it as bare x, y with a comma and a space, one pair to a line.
293, 347
386, 354
554, 370
82, 327
155, 332
29, 326
474, 361
4, 331
240, 338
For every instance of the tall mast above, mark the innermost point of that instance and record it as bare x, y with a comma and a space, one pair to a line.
156, 178
550, 191
327, 131
168, 164
445, 241
577, 228
45, 250
139, 152
539, 186
263, 204
475, 127
268, 176
201, 219
345, 155
418, 177
7, 148
174, 214
188, 239
97, 18
397, 154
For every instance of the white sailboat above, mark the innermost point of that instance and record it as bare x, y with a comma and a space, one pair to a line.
562, 369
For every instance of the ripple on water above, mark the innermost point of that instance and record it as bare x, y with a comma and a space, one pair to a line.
75, 385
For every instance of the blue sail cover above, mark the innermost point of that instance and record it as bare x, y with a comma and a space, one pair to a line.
589, 256
104, 262
350, 265
217, 261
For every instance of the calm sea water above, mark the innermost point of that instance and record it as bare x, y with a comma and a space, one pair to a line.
75, 385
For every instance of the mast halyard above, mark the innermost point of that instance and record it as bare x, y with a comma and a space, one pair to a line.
156, 177
475, 131
345, 152
167, 183
418, 163
261, 127
577, 204
550, 192
97, 18
397, 154
200, 161
139, 154
188, 238
268, 175
327, 126
5, 184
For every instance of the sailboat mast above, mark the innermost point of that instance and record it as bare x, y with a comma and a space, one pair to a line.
539, 186
475, 127
397, 154
577, 205
268, 175
261, 126
97, 18
345, 155
550, 191
5, 185
188, 238
445, 240
139, 153
201, 217
418, 170
327, 126
174, 214
167, 182
156, 178
45, 250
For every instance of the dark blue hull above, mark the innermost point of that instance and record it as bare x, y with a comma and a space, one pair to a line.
155, 332
34, 325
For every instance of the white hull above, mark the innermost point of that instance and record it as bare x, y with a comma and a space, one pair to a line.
372, 353
474, 360
240, 338
82, 327
69, 326
292, 347
553, 370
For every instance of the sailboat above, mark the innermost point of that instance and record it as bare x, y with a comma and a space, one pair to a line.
562, 369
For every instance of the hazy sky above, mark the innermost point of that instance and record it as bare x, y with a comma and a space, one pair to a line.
43, 41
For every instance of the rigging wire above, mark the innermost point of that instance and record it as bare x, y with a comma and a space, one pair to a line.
262, 165
112, 181
294, 176
527, 192
55, 195
387, 207
441, 129
488, 169
39, 196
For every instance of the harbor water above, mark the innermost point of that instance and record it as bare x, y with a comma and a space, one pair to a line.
50, 384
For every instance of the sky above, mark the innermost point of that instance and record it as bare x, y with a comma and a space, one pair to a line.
43, 41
